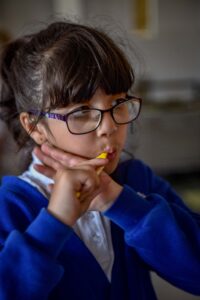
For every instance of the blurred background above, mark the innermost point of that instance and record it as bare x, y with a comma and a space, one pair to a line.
162, 39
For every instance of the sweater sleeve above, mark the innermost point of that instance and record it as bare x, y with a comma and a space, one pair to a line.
28, 260
163, 231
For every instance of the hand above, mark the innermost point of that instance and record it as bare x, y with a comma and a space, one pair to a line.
109, 191
64, 203
53, 159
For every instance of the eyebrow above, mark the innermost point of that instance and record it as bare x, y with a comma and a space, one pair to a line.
89, 105
82, 107
112, 100
71, 109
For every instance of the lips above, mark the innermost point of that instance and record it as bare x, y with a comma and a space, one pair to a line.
111, 151
111, 155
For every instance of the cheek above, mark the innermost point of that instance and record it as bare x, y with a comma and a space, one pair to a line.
71, 143
76, 144
121, 138
83, 145
59, 136
122, 134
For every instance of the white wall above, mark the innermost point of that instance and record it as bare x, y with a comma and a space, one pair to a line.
174, 52
22, 15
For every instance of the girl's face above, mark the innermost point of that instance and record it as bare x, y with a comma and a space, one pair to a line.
108, 137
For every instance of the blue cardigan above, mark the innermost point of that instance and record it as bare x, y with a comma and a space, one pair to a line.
41, 258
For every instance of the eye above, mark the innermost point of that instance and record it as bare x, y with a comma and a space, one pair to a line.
80, 114
85, 115
81, 108
118, 101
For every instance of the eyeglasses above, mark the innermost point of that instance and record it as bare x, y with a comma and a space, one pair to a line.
84, 120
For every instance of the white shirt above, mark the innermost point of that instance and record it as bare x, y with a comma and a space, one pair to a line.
92, 228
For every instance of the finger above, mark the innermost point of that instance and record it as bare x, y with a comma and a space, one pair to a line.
46, 160
90, 182
97, 163
66, 159
44, 170
70, 160
89, 196
98, 171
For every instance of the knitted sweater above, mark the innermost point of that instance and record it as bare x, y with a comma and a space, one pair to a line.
152, 229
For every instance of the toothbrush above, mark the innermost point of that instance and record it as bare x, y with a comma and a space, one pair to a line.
103, 155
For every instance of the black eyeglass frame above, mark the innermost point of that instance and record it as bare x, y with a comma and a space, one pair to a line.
64, 117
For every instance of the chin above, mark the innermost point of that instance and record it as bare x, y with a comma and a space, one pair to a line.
110, 168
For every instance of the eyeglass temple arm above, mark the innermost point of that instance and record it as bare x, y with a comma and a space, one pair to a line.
48, 115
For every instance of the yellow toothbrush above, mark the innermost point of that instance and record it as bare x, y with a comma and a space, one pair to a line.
103, 155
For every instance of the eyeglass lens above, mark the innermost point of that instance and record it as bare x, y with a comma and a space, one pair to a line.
84, 121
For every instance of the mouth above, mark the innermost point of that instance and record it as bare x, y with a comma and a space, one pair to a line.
111, 152
112, 155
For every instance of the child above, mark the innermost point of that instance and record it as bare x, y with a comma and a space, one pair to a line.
84, 235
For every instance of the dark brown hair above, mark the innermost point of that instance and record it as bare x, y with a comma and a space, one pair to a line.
61, 64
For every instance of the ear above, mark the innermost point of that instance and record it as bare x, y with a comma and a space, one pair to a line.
37, 132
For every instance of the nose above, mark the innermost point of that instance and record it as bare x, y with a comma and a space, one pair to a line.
107, 126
